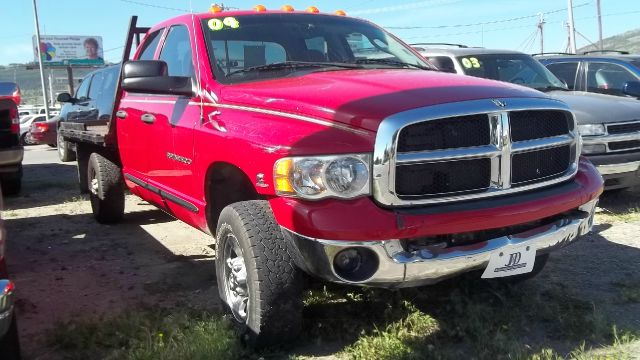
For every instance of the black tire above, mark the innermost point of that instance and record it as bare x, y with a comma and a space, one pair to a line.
10, 343
23, 140
274, 284
64, 153
106, 189
12, 183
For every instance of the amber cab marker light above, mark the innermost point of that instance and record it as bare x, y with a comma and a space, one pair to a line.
341, 13
215, 9
260, 8
313, 9
288, 8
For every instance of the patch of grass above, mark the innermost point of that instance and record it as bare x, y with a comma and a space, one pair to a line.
629, 289
631, 214
148, 334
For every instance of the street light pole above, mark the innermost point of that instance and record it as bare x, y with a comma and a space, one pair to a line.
44, 87
600, 44
572, 28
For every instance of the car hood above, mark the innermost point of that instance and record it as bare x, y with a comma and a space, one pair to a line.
363, 98
591, 108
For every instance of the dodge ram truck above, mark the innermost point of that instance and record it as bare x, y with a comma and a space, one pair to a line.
316, 143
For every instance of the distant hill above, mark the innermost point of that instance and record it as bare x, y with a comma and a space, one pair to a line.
628, 41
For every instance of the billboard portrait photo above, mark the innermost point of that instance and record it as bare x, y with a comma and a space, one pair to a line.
60, 50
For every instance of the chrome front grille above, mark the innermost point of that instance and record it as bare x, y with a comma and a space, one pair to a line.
619, 137
473, 149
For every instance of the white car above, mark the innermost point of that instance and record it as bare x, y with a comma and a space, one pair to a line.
25, 125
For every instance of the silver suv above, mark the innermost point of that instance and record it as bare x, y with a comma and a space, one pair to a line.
609, 125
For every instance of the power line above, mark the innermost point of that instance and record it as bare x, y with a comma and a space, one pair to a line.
484, 23
154, 6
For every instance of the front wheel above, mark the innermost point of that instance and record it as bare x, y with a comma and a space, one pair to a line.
257, 278
106, 189
64, 153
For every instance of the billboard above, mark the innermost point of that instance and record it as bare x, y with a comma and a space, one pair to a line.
60, 50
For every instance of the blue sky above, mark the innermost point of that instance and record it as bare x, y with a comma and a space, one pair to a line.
412, 20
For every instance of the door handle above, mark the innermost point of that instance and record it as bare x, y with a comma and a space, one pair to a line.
121, 114
148, 118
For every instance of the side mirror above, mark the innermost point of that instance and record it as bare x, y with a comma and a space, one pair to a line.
150, 77
64, 98
632, 88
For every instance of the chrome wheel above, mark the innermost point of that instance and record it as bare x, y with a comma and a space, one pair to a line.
235, 278
60, 145
94, 186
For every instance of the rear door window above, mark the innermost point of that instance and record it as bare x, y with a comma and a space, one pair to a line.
607, 78
565, 71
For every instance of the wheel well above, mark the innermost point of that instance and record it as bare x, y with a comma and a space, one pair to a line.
225, 184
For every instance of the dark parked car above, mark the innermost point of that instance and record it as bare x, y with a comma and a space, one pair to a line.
92, 104
599, 72
11, 152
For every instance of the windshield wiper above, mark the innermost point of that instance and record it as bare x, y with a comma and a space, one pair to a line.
292, 65
391, 63
551, 88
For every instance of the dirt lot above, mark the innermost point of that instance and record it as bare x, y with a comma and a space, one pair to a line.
68, 267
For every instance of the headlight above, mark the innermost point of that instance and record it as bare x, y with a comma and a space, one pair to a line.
591, 130
319, 177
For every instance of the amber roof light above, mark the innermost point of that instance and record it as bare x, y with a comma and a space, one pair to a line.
287, 8
341, 13
260, 8
313, 9
215, 9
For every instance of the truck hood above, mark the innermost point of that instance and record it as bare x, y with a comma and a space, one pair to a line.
591, 108
363, 98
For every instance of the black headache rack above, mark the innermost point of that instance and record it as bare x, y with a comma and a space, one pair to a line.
105, 135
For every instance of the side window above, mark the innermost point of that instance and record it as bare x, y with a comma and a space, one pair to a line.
176, 52
565, 71
95, 90
150, 45
235, 55
83, 89
110, 78
607, 78
39, 119
443, 63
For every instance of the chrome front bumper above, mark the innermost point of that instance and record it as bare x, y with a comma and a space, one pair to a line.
613, 169
400, 268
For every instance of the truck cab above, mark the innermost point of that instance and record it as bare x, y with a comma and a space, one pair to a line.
318, 143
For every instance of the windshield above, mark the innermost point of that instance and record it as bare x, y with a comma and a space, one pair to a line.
514, 68
25, 119
267, 46
7, 88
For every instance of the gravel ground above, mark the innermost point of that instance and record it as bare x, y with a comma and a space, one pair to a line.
66, 265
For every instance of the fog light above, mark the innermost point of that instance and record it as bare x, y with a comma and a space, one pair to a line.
594, 149
355, 264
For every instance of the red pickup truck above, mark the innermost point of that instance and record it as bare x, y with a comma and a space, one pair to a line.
320, 143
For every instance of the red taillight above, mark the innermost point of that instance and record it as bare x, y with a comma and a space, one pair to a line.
40, 127
15, 121
16, 96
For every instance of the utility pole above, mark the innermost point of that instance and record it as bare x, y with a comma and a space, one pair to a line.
600, 44
44, 87
572, 28
541, 23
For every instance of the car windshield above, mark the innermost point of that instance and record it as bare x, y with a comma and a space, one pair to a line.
514, 68
267, 46
7, 88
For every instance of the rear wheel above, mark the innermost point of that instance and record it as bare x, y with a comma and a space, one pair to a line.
64, 153
10, 343
257, 278
106, 189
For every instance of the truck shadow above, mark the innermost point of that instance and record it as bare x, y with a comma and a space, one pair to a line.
44, 185
68, 266
573, 301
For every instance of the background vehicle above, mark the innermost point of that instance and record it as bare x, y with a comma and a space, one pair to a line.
10, 90
44, 132
91, 106
11, 152
609, 125
319, 143
605, 72
25, 126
